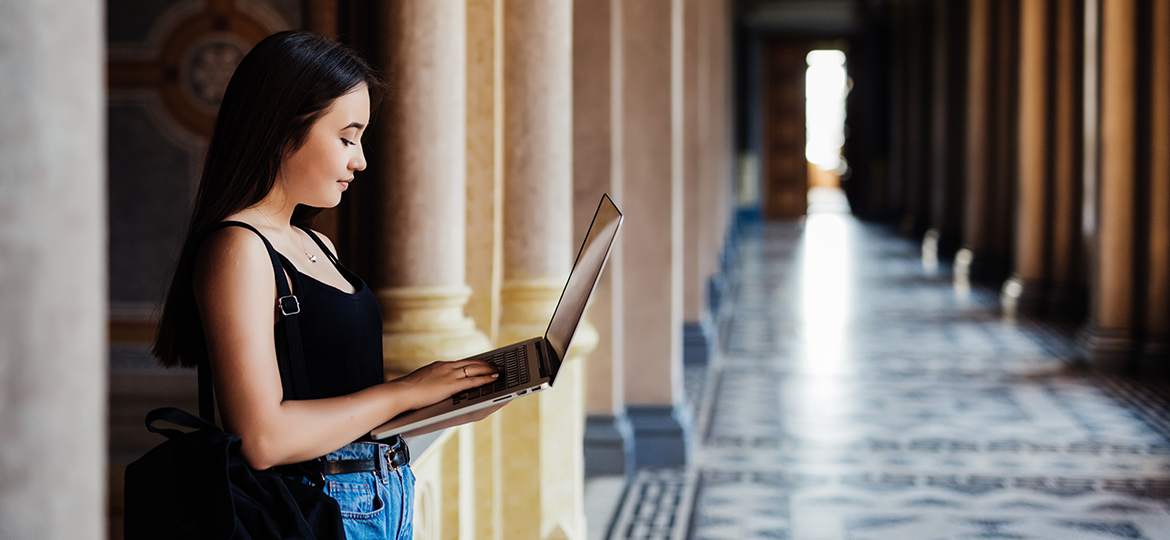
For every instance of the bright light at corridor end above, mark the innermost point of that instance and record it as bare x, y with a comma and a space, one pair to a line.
826, 86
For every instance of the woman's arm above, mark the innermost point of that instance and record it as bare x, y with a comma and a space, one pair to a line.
236, 293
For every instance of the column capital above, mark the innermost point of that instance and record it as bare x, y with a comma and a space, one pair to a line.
424, 324
527, 306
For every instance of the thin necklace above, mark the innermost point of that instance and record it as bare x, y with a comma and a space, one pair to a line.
312, 258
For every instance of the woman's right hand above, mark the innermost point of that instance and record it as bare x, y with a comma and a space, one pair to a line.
438, 381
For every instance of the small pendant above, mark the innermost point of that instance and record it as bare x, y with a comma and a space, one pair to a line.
312, 258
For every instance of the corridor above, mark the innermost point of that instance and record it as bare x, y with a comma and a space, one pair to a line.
859, 394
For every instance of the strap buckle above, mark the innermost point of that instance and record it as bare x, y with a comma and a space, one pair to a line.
289, 305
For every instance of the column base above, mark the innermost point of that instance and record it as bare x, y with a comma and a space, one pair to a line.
698, 341
1019, 296
425, 324
608, 445
1109, 349
979, 267
1154, 359
716, 292
662, 435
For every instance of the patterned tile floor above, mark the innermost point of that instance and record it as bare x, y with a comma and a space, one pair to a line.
859, 396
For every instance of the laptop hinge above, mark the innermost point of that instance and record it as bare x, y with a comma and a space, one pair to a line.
542, 346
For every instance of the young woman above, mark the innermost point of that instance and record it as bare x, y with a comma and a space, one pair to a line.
287, 142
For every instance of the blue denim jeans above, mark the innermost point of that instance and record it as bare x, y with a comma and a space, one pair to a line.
377, 504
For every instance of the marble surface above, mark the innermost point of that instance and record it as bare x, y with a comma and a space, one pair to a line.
860, 396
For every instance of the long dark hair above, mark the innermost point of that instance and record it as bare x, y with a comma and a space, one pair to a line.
284, 85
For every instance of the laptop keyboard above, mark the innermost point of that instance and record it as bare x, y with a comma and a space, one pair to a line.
513, 367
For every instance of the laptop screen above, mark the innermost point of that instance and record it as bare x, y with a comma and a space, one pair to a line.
590, 260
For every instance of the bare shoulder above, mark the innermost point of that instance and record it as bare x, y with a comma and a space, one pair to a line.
232, 254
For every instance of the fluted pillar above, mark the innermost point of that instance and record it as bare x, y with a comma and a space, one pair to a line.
53, 274
597, 170
1157, 348
1065, 289
1111, 341
421, 160
652, 248
1024, 290
544, 467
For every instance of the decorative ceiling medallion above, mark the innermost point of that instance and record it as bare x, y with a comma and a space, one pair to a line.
208, 66
195, 60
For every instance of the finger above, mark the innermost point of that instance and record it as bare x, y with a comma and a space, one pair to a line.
476, 363
476, 368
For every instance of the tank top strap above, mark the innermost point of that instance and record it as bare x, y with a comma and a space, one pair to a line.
321, 244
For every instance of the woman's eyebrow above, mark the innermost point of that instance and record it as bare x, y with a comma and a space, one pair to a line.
357, 125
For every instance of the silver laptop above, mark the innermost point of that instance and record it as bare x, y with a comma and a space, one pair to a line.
529, 366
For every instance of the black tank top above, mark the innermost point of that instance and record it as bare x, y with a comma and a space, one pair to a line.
341, 333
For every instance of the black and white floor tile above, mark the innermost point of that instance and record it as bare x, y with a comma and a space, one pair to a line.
859, 396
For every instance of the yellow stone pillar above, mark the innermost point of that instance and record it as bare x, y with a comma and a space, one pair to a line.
1157, 347
478, 509
1024, 290
543, 467
1111, 341
597, 170
652, 244
420, 155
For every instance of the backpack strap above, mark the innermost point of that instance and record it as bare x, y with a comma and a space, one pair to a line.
290, 354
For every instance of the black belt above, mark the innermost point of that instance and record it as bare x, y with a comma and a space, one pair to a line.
396, 456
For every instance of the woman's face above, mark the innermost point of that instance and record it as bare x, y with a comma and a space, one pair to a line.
321, 169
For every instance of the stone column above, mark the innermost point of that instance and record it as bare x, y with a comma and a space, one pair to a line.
479, 476
1004, 134
698, 332
722, 149
1157, 348
653, 233
53, 273
978, 147
1065, 292
1024, 290
420, 161
947, 80
485, 183
541, 468
1111, 341
597, 170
